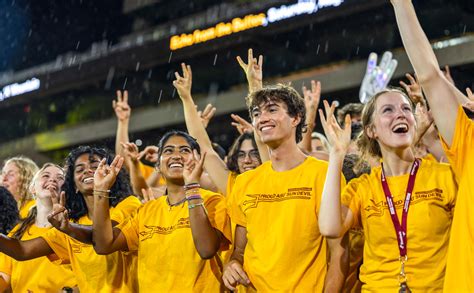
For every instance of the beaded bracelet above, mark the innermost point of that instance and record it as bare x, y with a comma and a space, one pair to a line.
105, 191
100, 193
192, 206
194, 196
191, 186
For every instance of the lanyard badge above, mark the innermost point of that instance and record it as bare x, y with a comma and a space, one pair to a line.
401, 228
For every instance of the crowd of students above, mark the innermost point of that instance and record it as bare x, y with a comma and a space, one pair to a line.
379, 203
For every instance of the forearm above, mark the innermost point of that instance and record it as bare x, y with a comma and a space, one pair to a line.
121, 136
24, 250
194, 125
136, 179
102, 232
206, 238
330, 219
305, 143
81, 233
262, 147
338, 265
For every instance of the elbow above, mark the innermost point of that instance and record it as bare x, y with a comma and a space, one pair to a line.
429, 75
207, 253
329, 232
101, 250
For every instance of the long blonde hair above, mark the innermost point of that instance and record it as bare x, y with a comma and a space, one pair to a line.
27, 169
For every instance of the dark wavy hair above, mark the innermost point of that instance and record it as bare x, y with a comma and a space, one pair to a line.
75, 202
189, 139
232, 159
9, 215
285, 94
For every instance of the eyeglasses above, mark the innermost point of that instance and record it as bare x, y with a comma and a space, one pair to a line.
253, 155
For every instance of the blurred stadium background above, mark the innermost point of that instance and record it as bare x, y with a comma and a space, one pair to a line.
61, 61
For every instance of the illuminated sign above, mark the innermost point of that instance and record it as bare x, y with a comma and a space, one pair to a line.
19, 88
218, 31
250, 21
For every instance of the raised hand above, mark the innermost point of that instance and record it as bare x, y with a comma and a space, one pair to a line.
338, 138
183, 83
241, 124
234, 274
59, 217
130, 150
424, 120
413, 89
377, 77
253, 70
193, 168
105, 175
150, 153
469, 105
311, 100
207, 114
121, 107
150, 194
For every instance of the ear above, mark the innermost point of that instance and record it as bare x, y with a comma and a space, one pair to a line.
370, 132
295, 120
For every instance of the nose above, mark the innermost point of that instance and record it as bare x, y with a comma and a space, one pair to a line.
247, 158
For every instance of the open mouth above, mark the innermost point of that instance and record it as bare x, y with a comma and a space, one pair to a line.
265, 128
175, 166
400, 128
88, 180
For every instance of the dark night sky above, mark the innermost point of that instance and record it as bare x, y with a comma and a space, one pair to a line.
34, 32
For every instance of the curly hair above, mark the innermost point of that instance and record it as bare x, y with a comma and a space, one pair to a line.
232, 159
281, 93
75, 202
9, 214
27, 169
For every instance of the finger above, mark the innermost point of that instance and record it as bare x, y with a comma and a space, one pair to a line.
62, 199
212, 112
57, 212
371, 62
411, 78
178, 77
207, 109
228, 282
386, 58
145, 194
347, 124
260, 61
469, 94
125, 97
405, 86
119, 164
446, 68
185, 70
244, 279
323, 121
250, 56
119, 96
54, 196
101, 164
241, 63
114, 104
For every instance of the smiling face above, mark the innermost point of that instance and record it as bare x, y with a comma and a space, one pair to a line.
84, 168
49, 178
248, 157
175, 151
11, 179
393, 122
273, 123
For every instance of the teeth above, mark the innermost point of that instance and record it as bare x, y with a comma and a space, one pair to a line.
400, 128
266, 128
88, 180
176, 166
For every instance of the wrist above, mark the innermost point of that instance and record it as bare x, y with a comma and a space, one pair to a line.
337, 154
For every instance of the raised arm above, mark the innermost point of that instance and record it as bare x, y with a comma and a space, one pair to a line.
122, 112
243, 125
107, 239
442, 96
311, 101
207, 239
213, 164
253, 71
333, 222
130, 151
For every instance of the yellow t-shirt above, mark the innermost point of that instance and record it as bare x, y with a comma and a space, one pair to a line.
97, 273
428, 225
26, 208
36, 275
460, 266
285, 250
147, 171
167, 258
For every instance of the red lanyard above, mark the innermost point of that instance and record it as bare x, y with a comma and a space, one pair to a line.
401, 230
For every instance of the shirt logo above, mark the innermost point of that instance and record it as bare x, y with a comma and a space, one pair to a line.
152, 230
377, 209
292, 193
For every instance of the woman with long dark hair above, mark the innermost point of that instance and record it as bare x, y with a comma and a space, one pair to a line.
177, 235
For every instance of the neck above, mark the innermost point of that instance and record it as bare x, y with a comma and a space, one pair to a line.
44, 207
286, 156
396, 163
89, 199
175, 192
